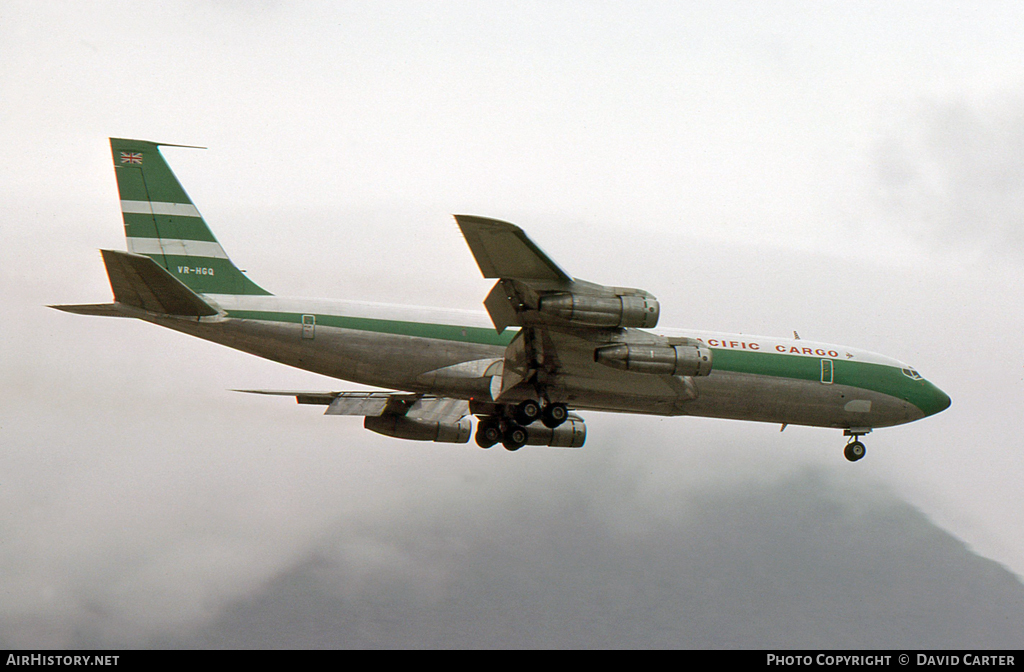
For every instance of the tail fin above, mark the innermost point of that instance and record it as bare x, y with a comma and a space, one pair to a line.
161, 222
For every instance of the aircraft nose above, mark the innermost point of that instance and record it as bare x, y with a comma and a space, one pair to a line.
936, 400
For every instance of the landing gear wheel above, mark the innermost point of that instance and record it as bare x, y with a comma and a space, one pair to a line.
514, 437
854, 451
526, 412
554, 415
488, 433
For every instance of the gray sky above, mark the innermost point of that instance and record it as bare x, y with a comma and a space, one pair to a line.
851, 171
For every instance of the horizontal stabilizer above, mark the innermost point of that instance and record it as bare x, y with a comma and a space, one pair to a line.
139, 281
101, 309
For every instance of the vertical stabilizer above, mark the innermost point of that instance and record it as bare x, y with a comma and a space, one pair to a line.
161, 222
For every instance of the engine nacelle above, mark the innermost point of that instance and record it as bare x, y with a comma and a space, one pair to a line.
670, 360
402, 427
570, 434
602, 311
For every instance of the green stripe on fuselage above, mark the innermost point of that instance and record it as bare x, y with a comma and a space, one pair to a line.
865, 375
445, 332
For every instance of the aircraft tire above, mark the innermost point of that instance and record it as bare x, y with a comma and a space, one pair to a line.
554, 415
488, 433
527, 412
854, 451
514, 437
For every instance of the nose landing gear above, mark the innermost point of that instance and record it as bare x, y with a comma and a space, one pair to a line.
855, 449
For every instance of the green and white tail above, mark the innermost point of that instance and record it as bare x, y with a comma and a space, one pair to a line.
161, 222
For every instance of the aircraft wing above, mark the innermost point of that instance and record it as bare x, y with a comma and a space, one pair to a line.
503, 250
569, 328
413, 406
533, 290
401, 414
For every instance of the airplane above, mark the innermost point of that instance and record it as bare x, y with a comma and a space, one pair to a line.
548, 347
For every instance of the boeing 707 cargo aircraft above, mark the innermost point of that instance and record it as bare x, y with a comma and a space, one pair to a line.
549, 346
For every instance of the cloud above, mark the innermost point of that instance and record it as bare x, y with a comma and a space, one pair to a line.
799, 563
952, 174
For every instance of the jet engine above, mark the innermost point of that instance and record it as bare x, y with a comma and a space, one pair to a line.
570, 434
602, 311
402, 427
670, 360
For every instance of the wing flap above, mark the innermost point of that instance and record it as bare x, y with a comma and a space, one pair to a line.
373, 404
499, 306
439, 409
345, 404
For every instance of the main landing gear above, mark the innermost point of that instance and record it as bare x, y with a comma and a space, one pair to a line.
491, 430
510, 425
855, 449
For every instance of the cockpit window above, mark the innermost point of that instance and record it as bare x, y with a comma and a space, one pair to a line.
911, 373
